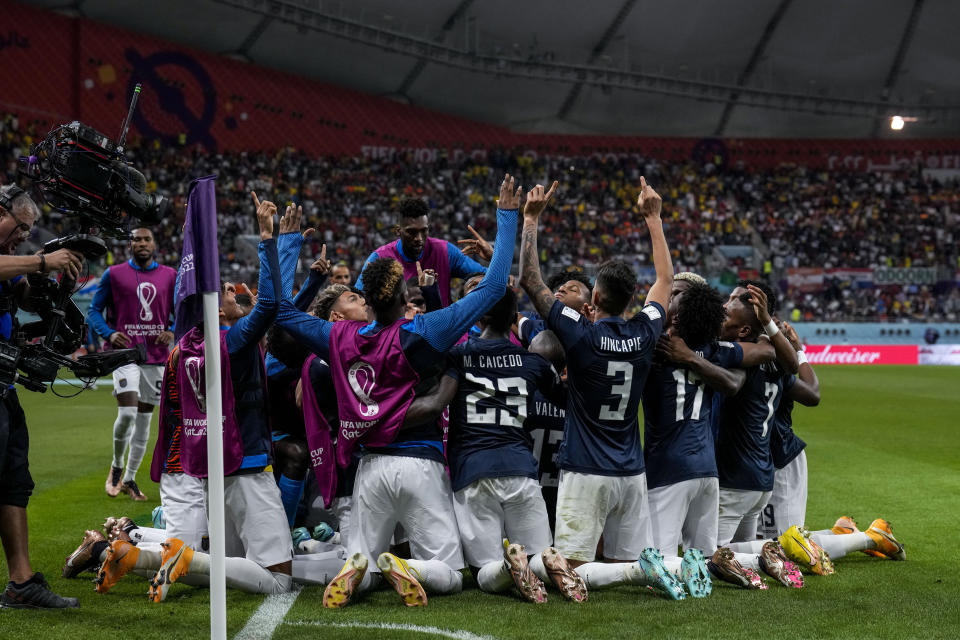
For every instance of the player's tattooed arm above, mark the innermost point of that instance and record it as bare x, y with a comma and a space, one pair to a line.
531, 279
806, 390
726, 381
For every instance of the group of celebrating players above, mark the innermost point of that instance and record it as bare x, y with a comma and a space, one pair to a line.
423, 437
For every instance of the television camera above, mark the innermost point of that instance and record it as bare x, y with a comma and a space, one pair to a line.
84, 175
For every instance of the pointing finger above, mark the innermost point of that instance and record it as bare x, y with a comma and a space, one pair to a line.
256, 200
474, 232
419, 270
643, 183
553, 189
323, 252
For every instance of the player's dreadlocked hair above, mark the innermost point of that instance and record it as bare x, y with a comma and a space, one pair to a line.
691, 277
503, 314
773, 302
617, 282
383, 283
561, 277
323, 305
700, 315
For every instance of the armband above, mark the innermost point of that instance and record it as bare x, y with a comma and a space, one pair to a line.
772, 329
802, 357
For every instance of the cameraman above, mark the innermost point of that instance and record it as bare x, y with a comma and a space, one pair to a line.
26, 589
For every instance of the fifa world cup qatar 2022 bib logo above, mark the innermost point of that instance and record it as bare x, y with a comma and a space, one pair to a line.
146, 294
362, 380
192, 366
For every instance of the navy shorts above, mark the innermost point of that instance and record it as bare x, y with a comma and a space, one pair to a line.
16, 484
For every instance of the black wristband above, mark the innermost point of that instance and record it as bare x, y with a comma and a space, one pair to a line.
43, 263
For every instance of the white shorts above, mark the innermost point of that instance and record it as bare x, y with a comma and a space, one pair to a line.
144, 379
184, 507
256, 524
788, 504
685, 513
615, 507
341, 509
493, 508
414, 492
739, 509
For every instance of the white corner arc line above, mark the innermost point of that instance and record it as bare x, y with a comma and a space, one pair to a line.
268, 615
411, 628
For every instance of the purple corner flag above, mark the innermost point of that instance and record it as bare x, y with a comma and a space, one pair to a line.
199, 260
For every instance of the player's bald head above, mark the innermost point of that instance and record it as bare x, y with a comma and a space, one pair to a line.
547, 345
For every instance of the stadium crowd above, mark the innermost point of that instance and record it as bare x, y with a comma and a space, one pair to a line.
794, 217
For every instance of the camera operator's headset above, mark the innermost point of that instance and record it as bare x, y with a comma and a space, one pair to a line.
8, 194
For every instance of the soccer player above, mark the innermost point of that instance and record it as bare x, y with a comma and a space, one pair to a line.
136, 297
414, 245
788, 502
494, 474
377, 369
572, 289
603, 489
678, 441
744, 462
254, 512
546, 423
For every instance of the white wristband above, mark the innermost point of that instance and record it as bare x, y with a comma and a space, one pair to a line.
772, 329
802, 357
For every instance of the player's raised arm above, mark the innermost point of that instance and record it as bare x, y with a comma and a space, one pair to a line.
806, 390
650, 205
531, 279
786, 354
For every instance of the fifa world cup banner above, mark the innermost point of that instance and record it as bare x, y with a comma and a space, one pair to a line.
862, 354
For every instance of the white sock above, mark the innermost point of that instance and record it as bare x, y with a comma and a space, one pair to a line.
138, 445
606, 574
536, 565
148, 559
242, 574
748, 560
148, 535
317, 568
839, 546
126, 416
673, 564
495, 577
308, 547
752, 546
437, 576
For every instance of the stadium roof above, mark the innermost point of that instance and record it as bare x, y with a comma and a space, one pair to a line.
732, 68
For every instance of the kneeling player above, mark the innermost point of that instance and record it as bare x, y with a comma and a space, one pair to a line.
491, 462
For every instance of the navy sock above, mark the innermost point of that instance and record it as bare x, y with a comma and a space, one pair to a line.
290, 493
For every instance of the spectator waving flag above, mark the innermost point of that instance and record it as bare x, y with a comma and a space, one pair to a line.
199, 271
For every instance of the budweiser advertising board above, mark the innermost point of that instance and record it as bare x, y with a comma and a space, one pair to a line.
862, 353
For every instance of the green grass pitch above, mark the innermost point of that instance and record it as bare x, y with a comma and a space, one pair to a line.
884, 442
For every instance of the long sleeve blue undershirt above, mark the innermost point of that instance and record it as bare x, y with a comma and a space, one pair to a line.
250, 328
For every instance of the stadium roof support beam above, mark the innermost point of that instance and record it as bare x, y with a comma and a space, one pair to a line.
397, 42
905, 39
751, 65
252, 37
597, 51
444, 30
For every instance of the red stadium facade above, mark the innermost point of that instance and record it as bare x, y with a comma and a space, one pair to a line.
55, 69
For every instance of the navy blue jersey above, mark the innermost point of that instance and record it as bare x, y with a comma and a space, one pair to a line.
495, 397
784, 443
678, 418
528, 328
545, 424
746, 422
607, 365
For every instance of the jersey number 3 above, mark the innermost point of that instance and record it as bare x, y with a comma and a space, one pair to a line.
615, 367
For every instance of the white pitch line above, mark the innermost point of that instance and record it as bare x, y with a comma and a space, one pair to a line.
412, 628
268, 615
